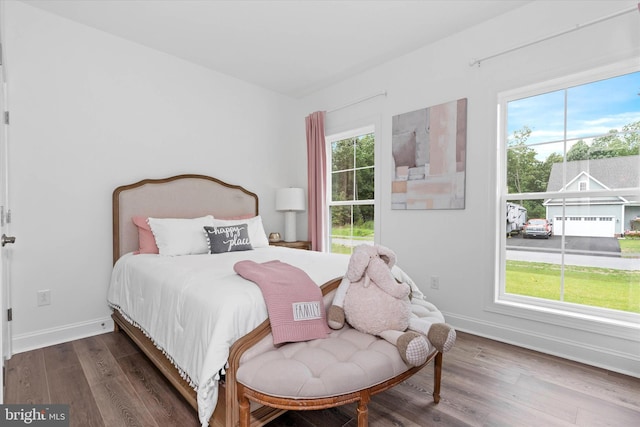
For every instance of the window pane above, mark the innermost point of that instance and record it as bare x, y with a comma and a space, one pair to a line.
598, 175
342, 154
341, 230
533, 251
342, 186
351, 226
365, 151
574, 257
602, 107
365, 184
600, 269
542, 116
363, 223
529, 167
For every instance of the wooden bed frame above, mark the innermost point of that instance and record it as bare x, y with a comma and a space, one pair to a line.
185, 196
190, 196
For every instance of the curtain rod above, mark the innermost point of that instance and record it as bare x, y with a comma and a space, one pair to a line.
577, 27
357, 101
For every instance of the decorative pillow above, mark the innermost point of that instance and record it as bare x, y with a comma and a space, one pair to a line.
228, 238
257, 236
178, 236
146, 241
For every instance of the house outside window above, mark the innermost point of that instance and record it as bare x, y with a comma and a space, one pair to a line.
351, 199
571, 156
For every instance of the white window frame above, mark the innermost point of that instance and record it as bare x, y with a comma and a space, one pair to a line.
329, 139
592, 319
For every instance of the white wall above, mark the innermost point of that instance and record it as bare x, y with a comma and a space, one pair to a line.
81, 100
459, 246
89, 112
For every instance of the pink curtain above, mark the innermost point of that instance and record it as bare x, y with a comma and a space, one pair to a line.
317, 171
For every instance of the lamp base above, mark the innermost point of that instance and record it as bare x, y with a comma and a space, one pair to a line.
290, 226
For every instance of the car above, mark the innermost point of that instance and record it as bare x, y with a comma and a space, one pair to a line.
537, 227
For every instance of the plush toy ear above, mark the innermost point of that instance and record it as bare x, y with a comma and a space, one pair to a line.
387, 255
357, 263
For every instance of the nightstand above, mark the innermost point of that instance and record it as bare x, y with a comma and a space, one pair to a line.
300, 244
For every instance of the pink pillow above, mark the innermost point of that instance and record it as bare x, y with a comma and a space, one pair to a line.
146, 241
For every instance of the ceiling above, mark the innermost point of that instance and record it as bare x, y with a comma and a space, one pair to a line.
290, 47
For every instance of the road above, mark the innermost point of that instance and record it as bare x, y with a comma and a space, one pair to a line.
582, 251
607, 251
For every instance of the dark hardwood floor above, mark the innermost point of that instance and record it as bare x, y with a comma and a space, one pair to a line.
108, 382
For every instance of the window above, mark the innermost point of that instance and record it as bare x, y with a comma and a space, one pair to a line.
352, 198
571, 156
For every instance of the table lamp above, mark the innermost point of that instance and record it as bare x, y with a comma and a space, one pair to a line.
290, 200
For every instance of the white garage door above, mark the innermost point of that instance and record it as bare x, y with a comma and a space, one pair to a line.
592, 226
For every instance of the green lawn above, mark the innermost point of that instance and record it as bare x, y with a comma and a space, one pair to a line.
598, 287
630, 247
363, 234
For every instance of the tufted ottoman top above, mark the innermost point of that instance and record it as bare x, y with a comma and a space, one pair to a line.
347, 361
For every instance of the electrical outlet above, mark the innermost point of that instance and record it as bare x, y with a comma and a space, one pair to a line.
44, 297
435, 282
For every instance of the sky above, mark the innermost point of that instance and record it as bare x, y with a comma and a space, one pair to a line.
592, 109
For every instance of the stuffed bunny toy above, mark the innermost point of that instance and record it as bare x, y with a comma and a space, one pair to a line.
372, 300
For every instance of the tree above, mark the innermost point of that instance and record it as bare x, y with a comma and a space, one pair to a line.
521, 163
579, 151
614, 144
527, 174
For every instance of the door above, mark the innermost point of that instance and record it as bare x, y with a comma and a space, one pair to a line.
5, 252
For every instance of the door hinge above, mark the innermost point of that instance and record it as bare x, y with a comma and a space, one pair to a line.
10, 314
6, 117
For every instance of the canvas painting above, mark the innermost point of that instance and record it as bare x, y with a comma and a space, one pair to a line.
429, 157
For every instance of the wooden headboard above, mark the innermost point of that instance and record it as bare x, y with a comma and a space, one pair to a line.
181, 196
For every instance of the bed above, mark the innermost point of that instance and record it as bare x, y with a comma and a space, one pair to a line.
194, 196
205, 319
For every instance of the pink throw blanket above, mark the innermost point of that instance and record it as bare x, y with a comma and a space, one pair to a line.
294, 301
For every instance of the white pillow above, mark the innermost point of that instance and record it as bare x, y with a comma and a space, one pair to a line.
257, 236
178, 236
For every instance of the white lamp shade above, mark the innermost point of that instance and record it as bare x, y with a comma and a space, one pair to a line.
290, 199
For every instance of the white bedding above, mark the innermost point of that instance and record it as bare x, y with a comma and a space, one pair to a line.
195, 307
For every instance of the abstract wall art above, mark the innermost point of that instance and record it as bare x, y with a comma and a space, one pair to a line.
429, 157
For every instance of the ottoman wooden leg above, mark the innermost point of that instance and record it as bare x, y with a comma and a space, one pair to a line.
363, 411
437, 376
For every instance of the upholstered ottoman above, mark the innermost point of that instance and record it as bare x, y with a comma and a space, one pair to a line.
348, 366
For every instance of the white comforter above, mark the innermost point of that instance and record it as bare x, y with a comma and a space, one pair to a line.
195, 307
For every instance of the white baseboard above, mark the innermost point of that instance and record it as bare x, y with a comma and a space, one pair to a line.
605, 358
46, 337
601, 357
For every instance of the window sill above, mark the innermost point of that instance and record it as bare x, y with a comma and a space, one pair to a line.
625, 329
